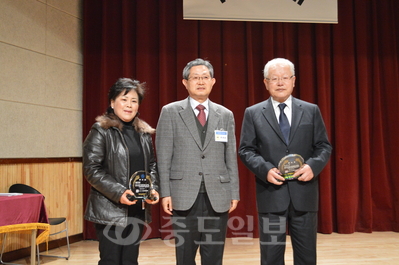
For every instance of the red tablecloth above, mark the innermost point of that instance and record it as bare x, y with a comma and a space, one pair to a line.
20, 209
24, 212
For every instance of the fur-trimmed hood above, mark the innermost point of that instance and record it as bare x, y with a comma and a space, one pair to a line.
107, 121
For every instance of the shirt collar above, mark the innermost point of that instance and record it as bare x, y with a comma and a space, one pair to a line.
195, 103
288, 102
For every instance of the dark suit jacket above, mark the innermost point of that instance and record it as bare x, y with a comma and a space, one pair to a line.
262, 146
183, 161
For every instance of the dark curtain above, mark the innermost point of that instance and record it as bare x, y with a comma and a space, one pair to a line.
349, 69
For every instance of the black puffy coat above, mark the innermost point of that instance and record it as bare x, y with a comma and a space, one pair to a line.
106, 168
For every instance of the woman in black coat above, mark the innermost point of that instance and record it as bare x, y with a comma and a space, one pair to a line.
118, 145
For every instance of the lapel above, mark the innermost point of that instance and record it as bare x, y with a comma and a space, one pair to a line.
270, 116
188, 118
213, 121
297, 113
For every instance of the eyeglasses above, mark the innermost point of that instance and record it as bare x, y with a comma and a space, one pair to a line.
283, 79
198, 78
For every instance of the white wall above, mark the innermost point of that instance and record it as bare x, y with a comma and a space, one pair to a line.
41, 78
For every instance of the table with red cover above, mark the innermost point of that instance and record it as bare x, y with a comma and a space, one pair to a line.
24, 212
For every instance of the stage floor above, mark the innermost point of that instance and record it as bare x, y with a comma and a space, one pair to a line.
358, 248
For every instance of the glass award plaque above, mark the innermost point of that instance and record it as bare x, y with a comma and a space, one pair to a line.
140, 183
289, 164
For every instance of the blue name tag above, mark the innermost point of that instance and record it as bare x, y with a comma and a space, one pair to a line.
221, 136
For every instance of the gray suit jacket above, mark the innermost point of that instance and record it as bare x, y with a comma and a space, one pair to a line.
262, 146
183, 161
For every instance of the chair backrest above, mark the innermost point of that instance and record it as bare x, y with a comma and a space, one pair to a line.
22, 188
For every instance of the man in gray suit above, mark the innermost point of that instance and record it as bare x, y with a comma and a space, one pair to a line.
268, 135
197, 165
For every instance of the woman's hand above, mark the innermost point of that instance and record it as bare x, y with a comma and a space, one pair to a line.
124, 198
154, 198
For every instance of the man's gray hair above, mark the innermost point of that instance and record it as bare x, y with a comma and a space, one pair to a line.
275, 62
196, 62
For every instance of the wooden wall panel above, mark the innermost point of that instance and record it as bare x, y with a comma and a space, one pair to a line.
61, 182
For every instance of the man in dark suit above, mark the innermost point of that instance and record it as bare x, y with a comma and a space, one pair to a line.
197, 165
266, 137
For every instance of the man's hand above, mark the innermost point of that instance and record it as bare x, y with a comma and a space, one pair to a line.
233, 205
167, 205
274, 177
305, 173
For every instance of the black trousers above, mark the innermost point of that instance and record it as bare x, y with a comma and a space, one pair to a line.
272, 236
120, 245
200, 227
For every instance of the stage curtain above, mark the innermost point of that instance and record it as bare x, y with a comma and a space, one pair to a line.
349, 69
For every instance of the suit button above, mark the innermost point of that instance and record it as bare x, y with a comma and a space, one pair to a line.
202, 156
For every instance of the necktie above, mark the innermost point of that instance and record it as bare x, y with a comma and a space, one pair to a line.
283, 121
201, 115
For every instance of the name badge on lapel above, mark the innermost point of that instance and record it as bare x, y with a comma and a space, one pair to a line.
221, 136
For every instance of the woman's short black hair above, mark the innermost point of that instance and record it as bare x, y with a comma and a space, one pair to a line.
125, 85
